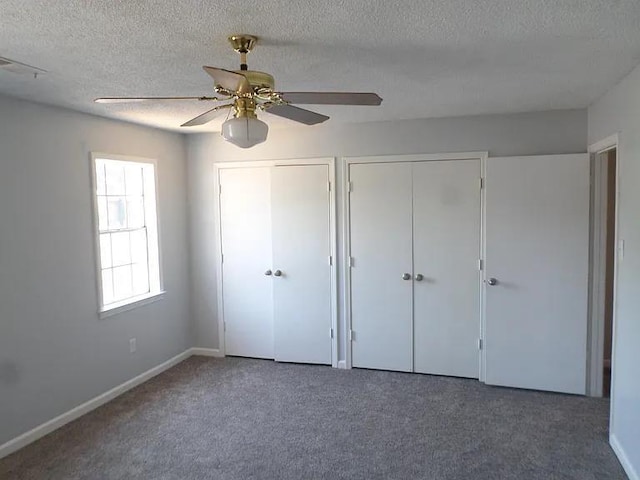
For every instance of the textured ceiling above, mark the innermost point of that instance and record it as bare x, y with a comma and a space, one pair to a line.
426, 58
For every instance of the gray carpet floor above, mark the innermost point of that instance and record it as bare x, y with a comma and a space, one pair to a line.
254, 419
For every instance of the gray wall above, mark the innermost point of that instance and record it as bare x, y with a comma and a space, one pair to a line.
55, 353
618, 111
502, 135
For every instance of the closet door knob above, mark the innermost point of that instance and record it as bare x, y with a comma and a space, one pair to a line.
277, 273
268, 273
492, 281
419, 277
406, 276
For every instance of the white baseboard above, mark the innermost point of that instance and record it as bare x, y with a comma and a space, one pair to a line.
206, 352
57, 422
342, 364
624, 460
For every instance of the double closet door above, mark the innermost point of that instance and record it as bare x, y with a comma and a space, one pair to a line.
276, 274
415, 281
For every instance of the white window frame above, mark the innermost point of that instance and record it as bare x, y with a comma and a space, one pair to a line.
156, 284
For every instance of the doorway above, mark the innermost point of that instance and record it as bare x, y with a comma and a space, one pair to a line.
603, 263
610, 158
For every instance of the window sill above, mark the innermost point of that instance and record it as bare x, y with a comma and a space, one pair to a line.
131, 304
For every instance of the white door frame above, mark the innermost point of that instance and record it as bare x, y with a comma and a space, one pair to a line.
330, 163
346, 244
595, 346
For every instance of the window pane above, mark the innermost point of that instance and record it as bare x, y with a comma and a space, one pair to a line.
122, 283
114, 173
101, 188
140, 279
139, 246
117, 212
128, 233
107, 286
105, 250
120, 248
102, 213
135, 212
133, 178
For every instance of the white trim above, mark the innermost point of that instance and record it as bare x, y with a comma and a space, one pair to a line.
330, 163
346, 210
483, 262
623, 458
61, 420
131, 304
153, 247
431, 157
206, 352
605, 144
342, 365
346, 264
218, 259
333, 245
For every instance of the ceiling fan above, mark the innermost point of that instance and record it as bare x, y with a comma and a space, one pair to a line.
247, 91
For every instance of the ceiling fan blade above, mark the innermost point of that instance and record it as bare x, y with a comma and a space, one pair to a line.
229, 80
147, 99
207, 116
331, 98
297, 114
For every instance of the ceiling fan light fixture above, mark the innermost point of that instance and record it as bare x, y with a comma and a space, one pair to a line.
245, 132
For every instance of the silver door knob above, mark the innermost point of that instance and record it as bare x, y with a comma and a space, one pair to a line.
419, 277
268, 273
492, 281
406, 276
277, 273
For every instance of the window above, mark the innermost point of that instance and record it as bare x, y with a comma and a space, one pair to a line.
127, 231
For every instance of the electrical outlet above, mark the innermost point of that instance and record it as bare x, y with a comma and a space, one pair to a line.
132, 345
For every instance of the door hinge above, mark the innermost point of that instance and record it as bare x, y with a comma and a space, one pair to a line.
352, 336
222, 258
350, 261
224, 326
350, 187
480, 265
330, 260
328, 186
219, 189
479, 344
331, 333
481, 183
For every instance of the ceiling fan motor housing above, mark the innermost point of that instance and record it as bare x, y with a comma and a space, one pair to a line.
258, 80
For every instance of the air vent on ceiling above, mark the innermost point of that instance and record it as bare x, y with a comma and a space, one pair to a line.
13, 66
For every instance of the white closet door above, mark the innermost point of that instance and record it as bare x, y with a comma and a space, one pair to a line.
301, 250
381, 306
245, 204
537, 241
446, 245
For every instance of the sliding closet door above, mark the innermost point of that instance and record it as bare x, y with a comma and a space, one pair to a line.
302, 273
446, 245
245, 207
381, 244
537, 242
